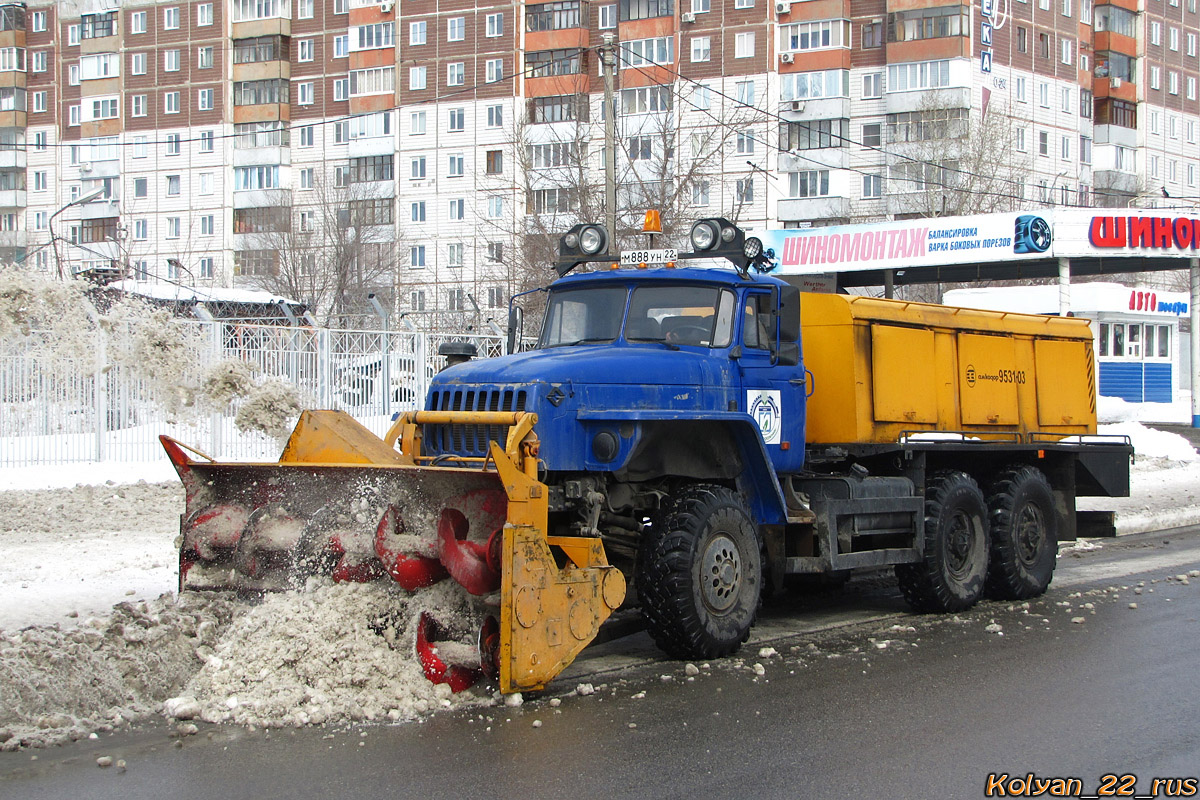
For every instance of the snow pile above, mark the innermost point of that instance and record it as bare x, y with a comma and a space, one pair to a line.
1151, 443
59, 685
329, 653
1114, 409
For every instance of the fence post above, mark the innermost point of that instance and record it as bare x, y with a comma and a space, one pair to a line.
216, 418
324, 395
100, 385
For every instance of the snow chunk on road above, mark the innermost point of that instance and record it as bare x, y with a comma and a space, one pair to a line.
329, 653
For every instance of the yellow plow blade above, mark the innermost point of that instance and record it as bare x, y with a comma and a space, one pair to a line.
343, 502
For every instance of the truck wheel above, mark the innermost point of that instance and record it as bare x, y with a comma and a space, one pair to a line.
699, 573
950, 576
1024, 534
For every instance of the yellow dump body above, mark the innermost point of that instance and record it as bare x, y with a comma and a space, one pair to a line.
881, 368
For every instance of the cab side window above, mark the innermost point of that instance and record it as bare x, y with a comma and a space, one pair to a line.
755, 320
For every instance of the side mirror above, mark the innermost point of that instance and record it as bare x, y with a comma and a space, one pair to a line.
516, 327
789, 354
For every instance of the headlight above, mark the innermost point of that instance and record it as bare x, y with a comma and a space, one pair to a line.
704, 235
728, 234
752, 247
592, 240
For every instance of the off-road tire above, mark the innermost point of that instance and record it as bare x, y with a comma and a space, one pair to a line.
1024, 534
953, 569
699, 573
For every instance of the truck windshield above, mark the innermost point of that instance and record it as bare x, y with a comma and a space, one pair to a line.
583, 316
693, 315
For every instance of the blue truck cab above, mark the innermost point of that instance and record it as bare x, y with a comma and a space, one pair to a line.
645, 376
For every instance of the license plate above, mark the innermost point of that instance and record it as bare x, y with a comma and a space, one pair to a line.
632, 258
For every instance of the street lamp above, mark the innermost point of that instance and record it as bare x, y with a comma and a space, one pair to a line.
78, 201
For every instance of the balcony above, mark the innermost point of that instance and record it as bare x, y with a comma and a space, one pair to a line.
808, 208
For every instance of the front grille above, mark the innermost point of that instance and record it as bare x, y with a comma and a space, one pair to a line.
469, 440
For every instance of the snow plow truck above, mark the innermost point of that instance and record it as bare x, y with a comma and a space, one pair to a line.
687, 439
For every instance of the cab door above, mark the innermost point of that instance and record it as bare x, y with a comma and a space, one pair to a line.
772, 372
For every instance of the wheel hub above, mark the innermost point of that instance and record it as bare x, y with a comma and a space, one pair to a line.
1031, 531
958, 544
720, 573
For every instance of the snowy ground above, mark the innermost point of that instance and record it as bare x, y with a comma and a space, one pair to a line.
79, 540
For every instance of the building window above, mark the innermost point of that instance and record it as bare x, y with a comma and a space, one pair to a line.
206, 225
137, 63
137, 22
171, 18
304, 94
1065, 148
872, 134
416, 78
701, 49
1085, 149
418, 211
1022, 40
141, 146
416, 256
141, 229
495, 162
454, 254
306, 178
255, 178
417, 168
73, 35
495, 116
304, 9
1066, 51
458, 208
872, 187
743, 45
495, 207
873, 85
918, 75
744, 190
872, 35
495, 69
495, 252
37, 21
173, 185
645, 9
456, 74
206, 183
305, 50
809, 183
173, 144
608, 17
204, 14
456, 29
1043, 143
458, 119
38, 62
457, 164
341, 89
171, 103
39, 100
416, 32
205, 99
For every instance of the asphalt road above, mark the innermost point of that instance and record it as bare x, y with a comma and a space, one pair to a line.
861, 700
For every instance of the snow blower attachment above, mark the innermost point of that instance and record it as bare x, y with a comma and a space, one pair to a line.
342, 502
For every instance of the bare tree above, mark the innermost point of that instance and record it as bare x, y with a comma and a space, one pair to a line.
333, 250
948, 160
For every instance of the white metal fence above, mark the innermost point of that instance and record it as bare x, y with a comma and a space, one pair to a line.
86, 408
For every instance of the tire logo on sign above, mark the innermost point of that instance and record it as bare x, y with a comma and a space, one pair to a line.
970, 374
765, 408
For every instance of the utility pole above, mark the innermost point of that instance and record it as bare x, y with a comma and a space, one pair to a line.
608, 53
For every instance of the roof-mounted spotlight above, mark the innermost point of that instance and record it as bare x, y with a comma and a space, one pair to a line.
582, 244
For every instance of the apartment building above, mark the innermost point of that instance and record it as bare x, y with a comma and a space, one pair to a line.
414, 148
